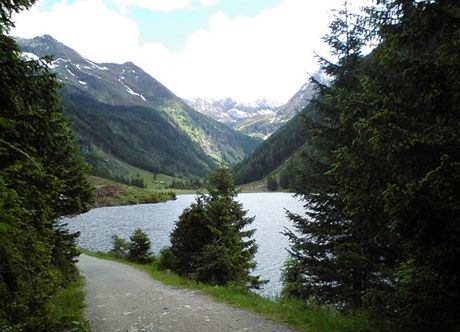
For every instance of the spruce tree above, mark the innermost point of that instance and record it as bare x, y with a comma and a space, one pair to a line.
211, 242
382, 177
272, 183
328, 256
342, 254
139, 247
412, 126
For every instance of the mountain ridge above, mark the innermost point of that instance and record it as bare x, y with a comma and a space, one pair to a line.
127, 102
258, 119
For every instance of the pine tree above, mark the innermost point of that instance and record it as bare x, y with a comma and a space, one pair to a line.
211, 242
337, 258
412, 127
382, 174
119, 247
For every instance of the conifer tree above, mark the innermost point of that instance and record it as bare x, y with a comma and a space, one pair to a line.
139, 247
382, 174
327, 260
272, 183
211, 242
412, 127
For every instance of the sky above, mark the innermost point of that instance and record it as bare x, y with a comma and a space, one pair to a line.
243, 49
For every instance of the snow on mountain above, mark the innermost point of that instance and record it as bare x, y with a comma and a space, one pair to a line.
260, 118
231, 112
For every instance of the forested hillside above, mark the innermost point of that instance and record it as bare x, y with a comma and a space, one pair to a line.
134, 134
130, 115
275, 150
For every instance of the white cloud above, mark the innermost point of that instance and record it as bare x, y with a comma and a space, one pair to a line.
207, 3
87, 26
163, 5
269, 55
155, 5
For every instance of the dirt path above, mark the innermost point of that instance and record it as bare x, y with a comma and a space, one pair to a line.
121, 298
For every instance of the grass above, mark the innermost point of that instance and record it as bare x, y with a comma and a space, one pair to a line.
294, 313
111, 193
157, 182
68, 305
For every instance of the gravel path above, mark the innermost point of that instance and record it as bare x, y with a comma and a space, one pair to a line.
122, 298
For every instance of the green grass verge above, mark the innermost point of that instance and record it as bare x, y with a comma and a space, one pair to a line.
295, 313
67, 308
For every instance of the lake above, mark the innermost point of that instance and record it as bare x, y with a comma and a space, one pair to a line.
157, 220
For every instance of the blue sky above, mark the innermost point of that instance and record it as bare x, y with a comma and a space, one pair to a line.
244, 49
172, 28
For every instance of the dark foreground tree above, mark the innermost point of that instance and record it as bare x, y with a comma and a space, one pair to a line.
41, 180
383, 189
413, 127
333, 259
211, 242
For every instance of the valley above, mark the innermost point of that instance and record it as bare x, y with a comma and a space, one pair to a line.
122, 115
130, 126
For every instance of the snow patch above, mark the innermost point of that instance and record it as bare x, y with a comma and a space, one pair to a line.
30, 56
239, 114
128, 89
96, 66
70, 72
265, 112
56, 62
82, 82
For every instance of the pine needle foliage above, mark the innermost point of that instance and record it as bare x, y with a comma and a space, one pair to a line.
381, 171
211, 241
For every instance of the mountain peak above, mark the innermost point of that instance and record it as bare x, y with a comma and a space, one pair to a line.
47, 38
130, 64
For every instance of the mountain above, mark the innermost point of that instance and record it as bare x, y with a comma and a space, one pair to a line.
270, 155
259, 119
265, 125
121, 111
287, 141
231, 112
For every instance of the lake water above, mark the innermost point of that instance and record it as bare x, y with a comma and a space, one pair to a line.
157, 220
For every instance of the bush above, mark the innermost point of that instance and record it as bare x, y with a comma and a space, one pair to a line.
119, 247
167, 260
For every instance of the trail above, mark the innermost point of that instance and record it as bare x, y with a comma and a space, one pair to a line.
122, 298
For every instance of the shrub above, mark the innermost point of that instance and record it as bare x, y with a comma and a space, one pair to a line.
119, 247
167, 260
